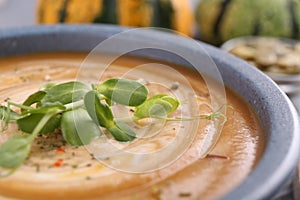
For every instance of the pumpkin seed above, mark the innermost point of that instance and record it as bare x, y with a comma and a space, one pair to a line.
270, 54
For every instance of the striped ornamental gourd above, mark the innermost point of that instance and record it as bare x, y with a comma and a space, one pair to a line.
221, 20
171, 14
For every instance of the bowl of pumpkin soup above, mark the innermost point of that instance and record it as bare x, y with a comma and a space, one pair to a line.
107, 112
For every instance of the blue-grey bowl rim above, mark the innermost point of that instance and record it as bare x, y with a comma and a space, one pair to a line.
277, 113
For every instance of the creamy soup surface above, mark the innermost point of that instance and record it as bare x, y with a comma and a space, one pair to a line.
55, 170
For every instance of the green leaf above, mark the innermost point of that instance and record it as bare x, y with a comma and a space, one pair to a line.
99, 112
28, 123
173, 101
78, 128
7, 114
14, 151
122, 132
65, 92
34, 98
123, 91
157, 106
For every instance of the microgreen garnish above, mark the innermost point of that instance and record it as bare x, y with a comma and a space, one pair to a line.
123, 91
102, 115
65, 93
81, 112
34, 98
78, 128
157, 106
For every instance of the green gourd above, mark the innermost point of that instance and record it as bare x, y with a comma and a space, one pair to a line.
221, 20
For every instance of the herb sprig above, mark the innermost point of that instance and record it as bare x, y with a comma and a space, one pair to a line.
78, 110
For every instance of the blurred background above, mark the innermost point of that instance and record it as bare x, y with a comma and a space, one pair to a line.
15, 13
212, 21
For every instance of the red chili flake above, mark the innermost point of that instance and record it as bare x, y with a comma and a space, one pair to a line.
58, 163
60, 150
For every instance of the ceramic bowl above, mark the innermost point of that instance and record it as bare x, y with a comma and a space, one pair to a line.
273, 174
